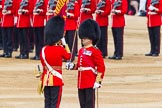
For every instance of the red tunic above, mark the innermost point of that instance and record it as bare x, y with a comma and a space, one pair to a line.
89, 57
102, 18
23, 20
54, 56
8, 19
0, 12
118, 20
155, 19
71, 22
38, 20
88, 14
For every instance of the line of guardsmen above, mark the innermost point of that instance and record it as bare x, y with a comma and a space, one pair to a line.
23, 21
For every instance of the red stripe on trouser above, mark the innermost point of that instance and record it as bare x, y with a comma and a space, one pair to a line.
59, 97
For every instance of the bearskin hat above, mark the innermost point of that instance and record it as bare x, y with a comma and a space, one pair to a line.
54, 30
91, 30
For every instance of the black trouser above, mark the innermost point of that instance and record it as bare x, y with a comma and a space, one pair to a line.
1, 42
15, 38
69, 37
52, 96
118, 41
87, 98
7, 33
24, 40
102, 44
39, 39
154, 37
31, 38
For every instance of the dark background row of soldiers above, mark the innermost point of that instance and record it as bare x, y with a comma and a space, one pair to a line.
51, 4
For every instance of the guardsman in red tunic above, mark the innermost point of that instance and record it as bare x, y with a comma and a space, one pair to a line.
39, 14
1, 43
102, 12
90, 64
119, 9
31, 31
23, 25
72, 14
154, 11
15, 31
53, 53
8, 11
87, 8
51, 5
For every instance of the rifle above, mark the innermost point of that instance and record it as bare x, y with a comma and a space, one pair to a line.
38, 4
154, 2
8, 3
51, 7
85, 3
52, 4
101, 4
117, 4
152, 8
70, 5
22, 5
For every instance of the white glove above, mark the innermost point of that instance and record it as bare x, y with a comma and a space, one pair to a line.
48, 13
85, 9
40, 10
63, 41
70, 14
151, 8
96, 85
99, 11
6, 12
117, 11
70, 65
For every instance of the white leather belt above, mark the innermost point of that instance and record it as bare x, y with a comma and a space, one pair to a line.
57, 74
87, 68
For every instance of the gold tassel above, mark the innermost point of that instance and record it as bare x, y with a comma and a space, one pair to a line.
40, 87
50, 80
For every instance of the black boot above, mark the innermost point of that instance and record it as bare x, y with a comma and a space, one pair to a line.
148, 54
8, 55
25, 56
35, 58
22, 56
2, 55
19, 56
